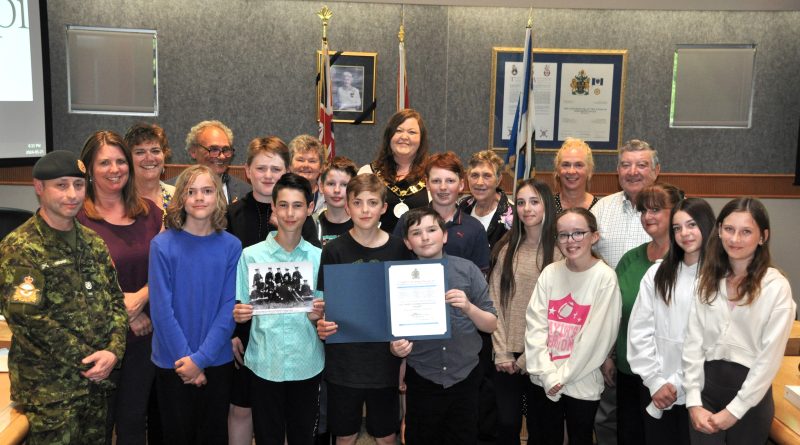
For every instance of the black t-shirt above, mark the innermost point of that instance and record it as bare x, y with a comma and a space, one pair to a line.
419, 199
248, 220
360, 365
330, 231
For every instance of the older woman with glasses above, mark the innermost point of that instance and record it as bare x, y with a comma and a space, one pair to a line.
655, 203
572, 169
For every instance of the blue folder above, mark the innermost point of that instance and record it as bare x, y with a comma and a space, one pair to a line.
357, 299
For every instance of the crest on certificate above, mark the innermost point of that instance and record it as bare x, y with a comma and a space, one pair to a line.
580, 84
279, 288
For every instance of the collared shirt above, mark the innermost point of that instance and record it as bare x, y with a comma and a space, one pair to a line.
620, 227
447, 362
283, 347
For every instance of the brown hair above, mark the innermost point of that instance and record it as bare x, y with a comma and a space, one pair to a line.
134, 205
384, 162
514, 237
658, 196
142, 132
366, 182
445, 161
176, 211
342, 164
717, 265
414, 217
268, 144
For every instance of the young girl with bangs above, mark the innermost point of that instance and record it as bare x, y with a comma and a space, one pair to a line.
517, 260
657, 325
572, 321
737, 331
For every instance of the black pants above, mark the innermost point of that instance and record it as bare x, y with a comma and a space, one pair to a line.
671, 429
128, 404
631, 404
509, 390
440, 416
487, 403
723, 380
285, 410
192, 415
579, 415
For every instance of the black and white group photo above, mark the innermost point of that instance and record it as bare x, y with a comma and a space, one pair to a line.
281, 287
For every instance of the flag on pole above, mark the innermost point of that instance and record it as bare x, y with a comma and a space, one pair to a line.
326, 98
522, 141
402, 76
326, 105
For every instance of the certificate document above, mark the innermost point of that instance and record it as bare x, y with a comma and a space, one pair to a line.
416, 299
586, 99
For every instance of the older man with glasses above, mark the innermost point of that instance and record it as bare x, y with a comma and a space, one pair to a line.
211, 143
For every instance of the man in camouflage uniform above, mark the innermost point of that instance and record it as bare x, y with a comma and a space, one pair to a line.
59, 293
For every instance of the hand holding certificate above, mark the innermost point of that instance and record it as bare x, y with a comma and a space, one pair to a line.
377, 302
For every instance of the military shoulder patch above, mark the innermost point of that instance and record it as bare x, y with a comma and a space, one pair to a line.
28, 289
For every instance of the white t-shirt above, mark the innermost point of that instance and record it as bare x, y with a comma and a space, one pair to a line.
485, 220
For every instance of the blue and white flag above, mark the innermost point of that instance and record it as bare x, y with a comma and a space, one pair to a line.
521, 144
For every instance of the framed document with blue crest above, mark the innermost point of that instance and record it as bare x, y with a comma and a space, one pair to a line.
577, 93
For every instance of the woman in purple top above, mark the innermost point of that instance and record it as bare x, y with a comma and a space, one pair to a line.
127, 223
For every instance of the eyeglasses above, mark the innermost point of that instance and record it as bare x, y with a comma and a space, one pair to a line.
215, 151
576, 236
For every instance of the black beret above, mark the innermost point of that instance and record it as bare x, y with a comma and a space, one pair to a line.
59, 163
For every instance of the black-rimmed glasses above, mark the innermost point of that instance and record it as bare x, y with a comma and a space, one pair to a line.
576, 236
215, 151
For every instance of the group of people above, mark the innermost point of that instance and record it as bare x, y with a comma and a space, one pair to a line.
131, 302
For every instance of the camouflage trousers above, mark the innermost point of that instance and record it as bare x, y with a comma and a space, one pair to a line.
76, 421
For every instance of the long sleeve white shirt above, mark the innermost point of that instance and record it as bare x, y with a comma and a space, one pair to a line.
656, 331
752, 335
572, 322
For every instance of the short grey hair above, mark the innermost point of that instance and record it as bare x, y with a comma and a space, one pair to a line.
191, 137
638, 145
304, 143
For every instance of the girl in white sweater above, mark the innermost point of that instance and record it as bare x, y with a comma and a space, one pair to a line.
572, 319
657, 325
737, 331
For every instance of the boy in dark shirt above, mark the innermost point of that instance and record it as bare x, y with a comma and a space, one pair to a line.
358, 373
443, 376
333, 220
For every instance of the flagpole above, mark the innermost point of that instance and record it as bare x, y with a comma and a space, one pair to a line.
326, 104
402, 77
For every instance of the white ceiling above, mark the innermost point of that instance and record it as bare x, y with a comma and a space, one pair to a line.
675, 5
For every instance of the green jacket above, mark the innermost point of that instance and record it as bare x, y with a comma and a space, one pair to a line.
62, 304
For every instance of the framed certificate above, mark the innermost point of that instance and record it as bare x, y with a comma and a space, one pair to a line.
379, 302
577, 93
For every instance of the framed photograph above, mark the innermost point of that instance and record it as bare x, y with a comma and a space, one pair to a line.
353, 77
577, 93
280, 288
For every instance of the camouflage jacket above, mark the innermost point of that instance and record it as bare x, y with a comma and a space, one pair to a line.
62, 304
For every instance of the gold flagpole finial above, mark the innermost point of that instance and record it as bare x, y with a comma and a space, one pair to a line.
530, 18
325, 15
401, 35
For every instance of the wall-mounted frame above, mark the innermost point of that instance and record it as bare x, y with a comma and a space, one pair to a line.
353, 76
578, 93
112, 71
712, 86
